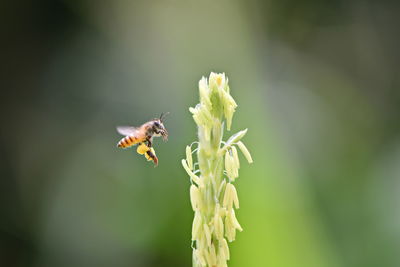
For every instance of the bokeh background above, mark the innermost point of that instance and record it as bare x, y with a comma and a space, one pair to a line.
317, 83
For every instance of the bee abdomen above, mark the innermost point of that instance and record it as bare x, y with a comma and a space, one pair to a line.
127, 141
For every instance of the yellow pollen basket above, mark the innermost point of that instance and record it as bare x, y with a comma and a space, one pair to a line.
143, 148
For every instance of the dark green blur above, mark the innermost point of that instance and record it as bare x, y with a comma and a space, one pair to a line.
318, 87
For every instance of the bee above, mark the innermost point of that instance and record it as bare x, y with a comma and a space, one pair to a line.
144, 134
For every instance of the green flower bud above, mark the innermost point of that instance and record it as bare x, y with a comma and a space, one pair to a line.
245, 152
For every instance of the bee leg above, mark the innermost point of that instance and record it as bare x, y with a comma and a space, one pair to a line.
153, 157
149, 143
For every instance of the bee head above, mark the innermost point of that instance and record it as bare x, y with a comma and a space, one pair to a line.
159, 128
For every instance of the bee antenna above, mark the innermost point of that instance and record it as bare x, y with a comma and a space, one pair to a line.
163, 116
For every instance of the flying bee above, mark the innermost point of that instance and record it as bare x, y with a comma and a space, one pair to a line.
144, 134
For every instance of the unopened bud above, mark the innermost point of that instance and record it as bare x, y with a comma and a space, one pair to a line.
245, 152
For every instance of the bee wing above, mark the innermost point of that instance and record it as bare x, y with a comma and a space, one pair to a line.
127, 130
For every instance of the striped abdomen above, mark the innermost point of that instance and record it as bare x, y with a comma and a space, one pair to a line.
128, 141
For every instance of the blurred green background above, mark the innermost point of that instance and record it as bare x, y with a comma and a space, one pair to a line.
317, 83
